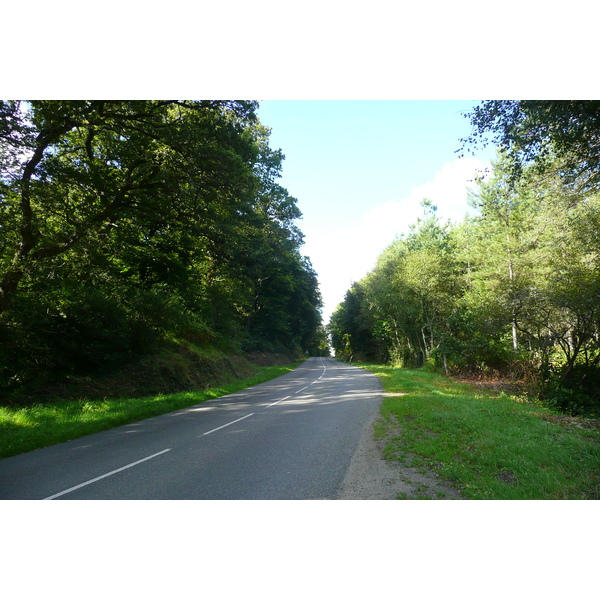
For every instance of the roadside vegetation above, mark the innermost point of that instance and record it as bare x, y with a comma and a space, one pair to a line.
32, 426
490, 444
514, 289
130, 227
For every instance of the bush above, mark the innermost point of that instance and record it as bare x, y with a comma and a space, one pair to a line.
471, 347
574, 392
79, 331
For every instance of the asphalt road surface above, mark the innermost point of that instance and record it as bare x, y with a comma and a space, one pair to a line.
289, 438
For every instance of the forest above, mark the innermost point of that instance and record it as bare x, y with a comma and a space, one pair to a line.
513, 290
130, 226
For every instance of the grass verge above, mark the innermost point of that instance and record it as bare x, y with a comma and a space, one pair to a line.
490, 445
27, 428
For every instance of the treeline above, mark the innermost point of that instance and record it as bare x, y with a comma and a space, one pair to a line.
128, 224
514, 289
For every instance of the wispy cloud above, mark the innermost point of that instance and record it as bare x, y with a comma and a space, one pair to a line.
348, 254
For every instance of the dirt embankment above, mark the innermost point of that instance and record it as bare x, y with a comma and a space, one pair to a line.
170, 370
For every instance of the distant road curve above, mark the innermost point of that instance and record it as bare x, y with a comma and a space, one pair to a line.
289, 438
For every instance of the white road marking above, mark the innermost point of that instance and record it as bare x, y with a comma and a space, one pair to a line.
278, 401
312, 382
228, 424
133, 464
137, 462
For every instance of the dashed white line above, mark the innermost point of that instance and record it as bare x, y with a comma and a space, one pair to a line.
278, 401
315, 381
137, 462
228, 424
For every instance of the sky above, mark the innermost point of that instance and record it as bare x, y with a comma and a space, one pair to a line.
359, 170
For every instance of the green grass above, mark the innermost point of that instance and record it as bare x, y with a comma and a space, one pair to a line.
489, 445
27, 428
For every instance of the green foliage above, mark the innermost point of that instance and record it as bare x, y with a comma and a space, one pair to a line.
352, 328
562, 136
474, 346
575, 392
512, 291
399, 311
127, 223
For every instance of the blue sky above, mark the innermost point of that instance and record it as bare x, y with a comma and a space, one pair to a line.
359, 170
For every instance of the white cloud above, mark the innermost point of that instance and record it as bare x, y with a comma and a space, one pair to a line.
448, 191
449, 187
348, 254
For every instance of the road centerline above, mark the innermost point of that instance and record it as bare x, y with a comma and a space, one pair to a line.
299, 452
133, 464
278, 401
228, 424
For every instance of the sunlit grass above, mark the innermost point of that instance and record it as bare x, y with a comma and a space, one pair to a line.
490, 445
26, 428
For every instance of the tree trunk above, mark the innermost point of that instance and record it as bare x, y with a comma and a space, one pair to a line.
515, 340
511, 277
425, 348
8, 287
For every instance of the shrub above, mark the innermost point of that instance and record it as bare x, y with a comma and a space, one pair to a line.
575, 391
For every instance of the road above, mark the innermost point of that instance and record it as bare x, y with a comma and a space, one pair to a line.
289, 438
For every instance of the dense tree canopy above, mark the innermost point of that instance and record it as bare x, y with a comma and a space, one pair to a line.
514, 289
562, 134
126, 222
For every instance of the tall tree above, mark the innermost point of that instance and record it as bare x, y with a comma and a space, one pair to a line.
126, 222
563, 135
351, 327
502, 245
74, 169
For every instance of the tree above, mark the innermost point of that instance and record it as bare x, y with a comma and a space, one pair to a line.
395, 310
562, 135
502, 245
399, 310
351, 327
513, 290
124, 223
75, 169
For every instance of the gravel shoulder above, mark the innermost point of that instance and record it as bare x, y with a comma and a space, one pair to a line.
372, 477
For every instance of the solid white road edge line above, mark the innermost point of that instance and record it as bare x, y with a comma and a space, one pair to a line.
137, 462
228, 424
